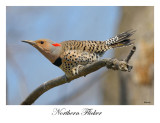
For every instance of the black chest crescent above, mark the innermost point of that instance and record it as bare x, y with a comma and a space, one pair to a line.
58, 62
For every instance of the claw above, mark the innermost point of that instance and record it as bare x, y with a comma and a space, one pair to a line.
75, 70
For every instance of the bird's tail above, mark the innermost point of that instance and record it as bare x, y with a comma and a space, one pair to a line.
121, 40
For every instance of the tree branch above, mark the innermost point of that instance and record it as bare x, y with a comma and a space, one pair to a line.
109, 63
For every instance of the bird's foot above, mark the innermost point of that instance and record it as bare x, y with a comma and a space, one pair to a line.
76, 70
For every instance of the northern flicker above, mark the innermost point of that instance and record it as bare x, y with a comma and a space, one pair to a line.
74, 54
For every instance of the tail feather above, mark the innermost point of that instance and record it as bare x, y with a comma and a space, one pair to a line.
121, 40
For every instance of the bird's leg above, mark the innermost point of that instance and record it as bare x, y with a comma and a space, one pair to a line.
75, 70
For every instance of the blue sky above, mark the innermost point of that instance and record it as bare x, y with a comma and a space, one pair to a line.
27, 68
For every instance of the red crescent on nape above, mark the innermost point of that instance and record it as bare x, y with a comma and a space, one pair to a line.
56, 44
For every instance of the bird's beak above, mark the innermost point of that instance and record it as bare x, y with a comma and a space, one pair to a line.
29, 42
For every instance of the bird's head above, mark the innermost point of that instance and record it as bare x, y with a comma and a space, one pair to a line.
48, 48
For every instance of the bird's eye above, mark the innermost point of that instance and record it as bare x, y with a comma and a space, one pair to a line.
42, 42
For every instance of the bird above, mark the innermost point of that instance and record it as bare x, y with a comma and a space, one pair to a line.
72, 55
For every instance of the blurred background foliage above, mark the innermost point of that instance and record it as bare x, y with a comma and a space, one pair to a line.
27, 68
